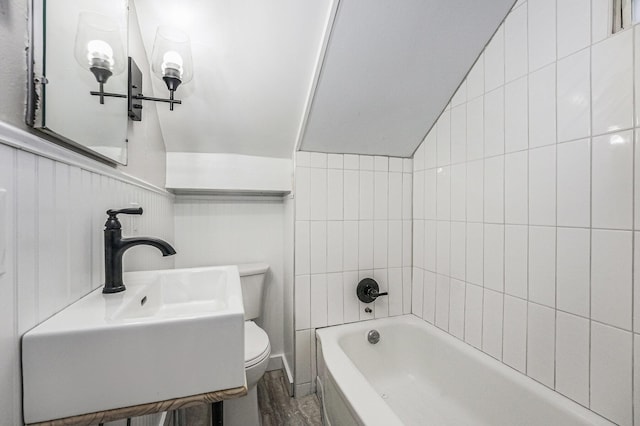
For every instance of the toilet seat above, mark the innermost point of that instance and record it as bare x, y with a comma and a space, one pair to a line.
256, 344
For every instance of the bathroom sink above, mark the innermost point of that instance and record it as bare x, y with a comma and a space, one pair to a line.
171, 334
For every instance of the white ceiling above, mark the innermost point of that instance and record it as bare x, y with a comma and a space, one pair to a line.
389, 69
254, 64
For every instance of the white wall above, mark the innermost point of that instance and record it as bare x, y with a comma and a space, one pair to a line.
54, 216
524, 217
229, 231
353, 220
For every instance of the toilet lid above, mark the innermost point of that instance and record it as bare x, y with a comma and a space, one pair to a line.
256, 344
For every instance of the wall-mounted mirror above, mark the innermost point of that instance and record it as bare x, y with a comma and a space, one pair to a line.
77, 46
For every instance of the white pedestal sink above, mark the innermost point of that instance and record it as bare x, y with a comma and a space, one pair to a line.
171, 334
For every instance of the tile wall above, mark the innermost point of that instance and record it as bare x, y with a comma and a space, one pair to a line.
525, 206
51, 227
353, 220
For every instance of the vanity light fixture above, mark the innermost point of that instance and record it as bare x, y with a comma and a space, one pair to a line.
99, 49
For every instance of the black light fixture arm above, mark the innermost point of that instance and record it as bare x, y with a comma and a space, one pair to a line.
134, 92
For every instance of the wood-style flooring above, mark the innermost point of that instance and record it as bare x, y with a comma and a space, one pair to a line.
277, 408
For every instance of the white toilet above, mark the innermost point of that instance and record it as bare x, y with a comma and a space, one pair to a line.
244, 411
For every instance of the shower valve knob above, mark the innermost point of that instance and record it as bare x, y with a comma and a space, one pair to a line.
368, 290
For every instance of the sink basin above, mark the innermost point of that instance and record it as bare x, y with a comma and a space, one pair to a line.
171, 334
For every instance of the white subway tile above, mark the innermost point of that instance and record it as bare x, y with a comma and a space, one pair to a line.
418, 194
574, 96
542, 186
419, 238
335, 161
600, 20
430, 198
395, 196
574, 183
430, 248
366, 162
335, 241
514, 352
494, 61
475, 79
475, 192
459, 192
475, 253
542, 107
407, 185
611, 275
407, 165
475, 128
365, 250
612, 181
612, 83
574, 26
443, 247
366, 194
303, 302
494, 189
406, 243
494, 257
492, 323
395, 164
458, 250
542, 265
542, 33
473, 316
636, 377
303, 356
456, 308
459, 134
302, 248
515, 260
444, 139
381, 163
516, 204
494, 122
417, 287
381, 196
303, 159
573, 263
395, 291
335, 295
516, 119
335, 194
351, 245
351, 162
419, 163
541, 344
428, 297
318, 196
318, 159
351, 195
406, 290
318, 251
442, 302
611, 367
443, 178
319, 302
380, 243
572, 357
516, 44
350, 299
395, 244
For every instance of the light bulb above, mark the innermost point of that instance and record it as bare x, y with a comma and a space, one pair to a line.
172, 64
100, 54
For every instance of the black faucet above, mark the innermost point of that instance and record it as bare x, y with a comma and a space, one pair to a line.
115, 246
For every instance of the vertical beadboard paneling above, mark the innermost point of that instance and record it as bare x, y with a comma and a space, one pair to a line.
55, 216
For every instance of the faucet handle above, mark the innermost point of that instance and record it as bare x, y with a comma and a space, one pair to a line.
113, 222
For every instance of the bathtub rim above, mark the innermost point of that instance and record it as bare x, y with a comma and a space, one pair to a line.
356, 391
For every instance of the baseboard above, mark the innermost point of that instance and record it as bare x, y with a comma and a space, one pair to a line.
279, 362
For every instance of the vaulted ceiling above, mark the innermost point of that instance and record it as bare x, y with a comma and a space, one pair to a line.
357, 76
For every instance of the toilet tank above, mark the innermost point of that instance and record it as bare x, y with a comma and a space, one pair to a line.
252, 281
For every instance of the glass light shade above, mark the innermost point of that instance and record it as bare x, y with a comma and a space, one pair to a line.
98, 44
171, 57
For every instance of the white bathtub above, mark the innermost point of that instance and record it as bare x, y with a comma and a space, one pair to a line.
420, 375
